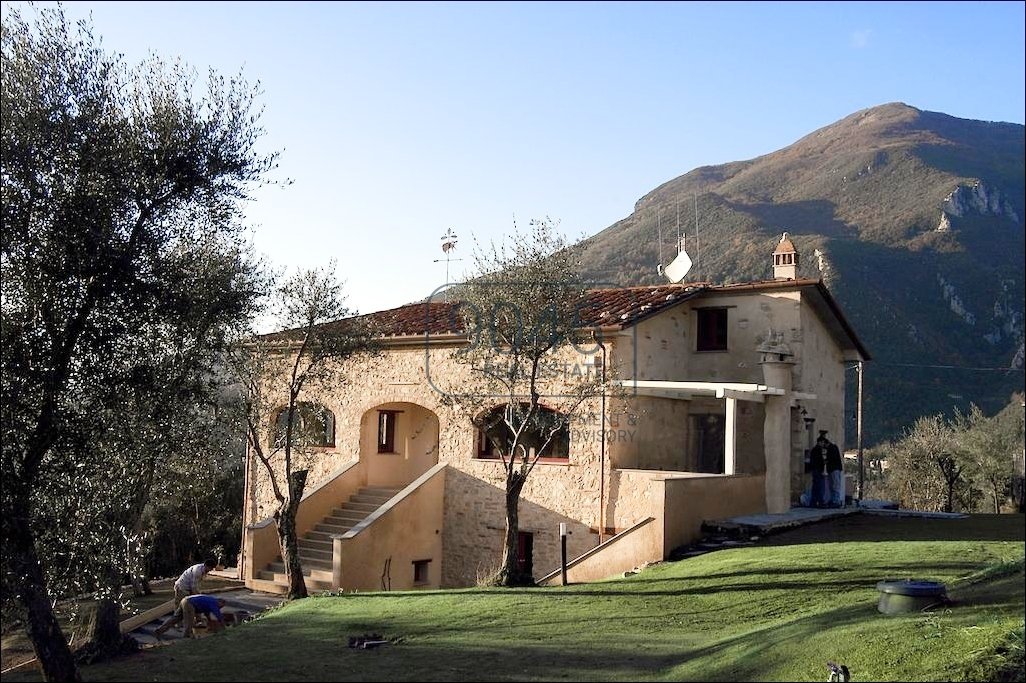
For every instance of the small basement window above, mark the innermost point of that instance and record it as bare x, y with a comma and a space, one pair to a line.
420, 572
712, 329
386, 431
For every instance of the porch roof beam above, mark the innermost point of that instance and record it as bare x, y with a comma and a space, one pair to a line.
700, 386
740, 395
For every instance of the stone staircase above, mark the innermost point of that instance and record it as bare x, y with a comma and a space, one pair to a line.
315, 548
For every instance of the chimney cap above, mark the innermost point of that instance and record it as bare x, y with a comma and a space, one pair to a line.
786, 246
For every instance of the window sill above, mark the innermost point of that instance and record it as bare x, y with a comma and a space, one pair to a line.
389, 453
712, 350
541, 461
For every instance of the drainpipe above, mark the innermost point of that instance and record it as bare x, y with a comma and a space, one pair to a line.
244, 551
602, 444
858, 440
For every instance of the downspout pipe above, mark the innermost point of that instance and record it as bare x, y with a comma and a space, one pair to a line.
602, 446
244, 551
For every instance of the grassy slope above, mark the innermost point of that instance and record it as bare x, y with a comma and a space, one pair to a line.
777, 611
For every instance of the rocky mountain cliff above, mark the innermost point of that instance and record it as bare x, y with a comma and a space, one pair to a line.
914, 219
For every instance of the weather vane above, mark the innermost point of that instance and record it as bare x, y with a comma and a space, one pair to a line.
448, 246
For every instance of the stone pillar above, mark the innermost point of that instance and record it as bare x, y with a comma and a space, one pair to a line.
730, 436
777, 363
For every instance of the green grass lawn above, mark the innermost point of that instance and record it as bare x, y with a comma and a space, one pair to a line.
776, 611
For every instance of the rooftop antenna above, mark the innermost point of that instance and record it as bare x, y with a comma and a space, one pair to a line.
659, 266
681, 264
676, 204
448, 246
698, 244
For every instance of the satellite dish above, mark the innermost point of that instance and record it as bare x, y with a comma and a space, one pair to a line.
681, 264
678, 268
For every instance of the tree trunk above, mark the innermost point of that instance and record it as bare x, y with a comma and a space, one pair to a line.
140, 586
48, 641
510, 574
288, 540
950, 503
105, 625
997, 498
105, 637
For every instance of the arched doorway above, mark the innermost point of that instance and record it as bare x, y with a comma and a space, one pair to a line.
398, 443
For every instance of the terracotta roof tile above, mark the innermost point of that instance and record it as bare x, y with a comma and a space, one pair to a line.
620, 307
625, 306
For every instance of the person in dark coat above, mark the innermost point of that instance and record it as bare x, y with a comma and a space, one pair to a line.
817, 466
835, 471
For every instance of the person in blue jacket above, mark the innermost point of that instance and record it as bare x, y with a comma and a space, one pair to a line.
187, 610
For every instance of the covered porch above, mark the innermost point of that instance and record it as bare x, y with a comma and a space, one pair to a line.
719, 428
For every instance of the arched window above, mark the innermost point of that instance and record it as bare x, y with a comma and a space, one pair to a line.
494, 435
313, 425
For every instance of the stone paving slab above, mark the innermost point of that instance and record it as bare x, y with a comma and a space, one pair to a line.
769, 523
237, 600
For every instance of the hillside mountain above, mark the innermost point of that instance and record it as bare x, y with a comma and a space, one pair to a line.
914, 219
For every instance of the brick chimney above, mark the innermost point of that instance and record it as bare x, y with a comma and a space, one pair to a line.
785, 260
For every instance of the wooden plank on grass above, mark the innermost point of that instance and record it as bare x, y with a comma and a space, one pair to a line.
132, 623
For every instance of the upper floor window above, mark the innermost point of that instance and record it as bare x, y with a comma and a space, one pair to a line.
312, 425
712, 329
386, 431
494, 435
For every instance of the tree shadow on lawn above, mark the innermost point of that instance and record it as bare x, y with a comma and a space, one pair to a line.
576, 591
748, 654
312, 644
317, 651
914, 564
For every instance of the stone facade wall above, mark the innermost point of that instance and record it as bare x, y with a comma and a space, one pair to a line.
413, 379
474, 490
822, 372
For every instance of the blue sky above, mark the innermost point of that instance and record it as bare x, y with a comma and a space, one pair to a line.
399, 121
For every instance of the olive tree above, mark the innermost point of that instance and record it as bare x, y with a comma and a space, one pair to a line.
523, 311
281, 374
122, 200
992, 446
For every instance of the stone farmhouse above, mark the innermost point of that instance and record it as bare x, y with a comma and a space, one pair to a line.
725, 386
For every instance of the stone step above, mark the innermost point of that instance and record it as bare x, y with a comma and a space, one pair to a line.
381, 490
313, 583
367, 503
331, 528
317, 561
319, 536
315, 544
348, 513
307, 563
346, 521
316, 555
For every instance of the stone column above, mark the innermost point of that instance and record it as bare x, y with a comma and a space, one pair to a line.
730, 436
777, 362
